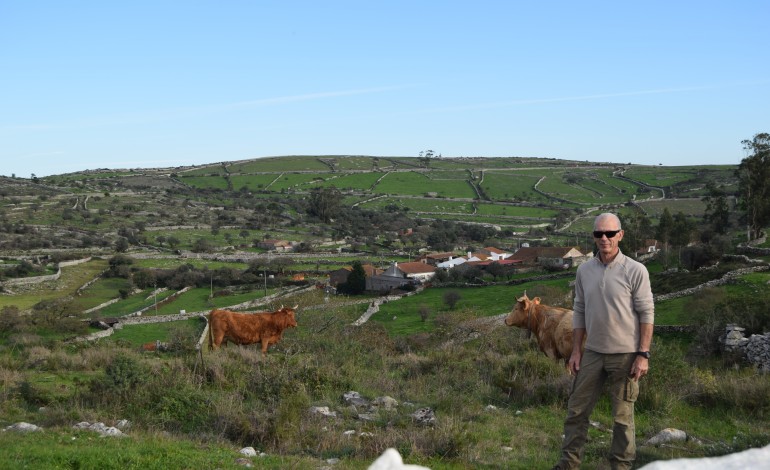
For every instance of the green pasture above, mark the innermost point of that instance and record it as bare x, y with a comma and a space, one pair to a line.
134, 303
356, 181
173, 263
508, 185
198, 300
403, 316
608, 192
71, 279
512, 223
418, 184
208, 170
140, 334
103, 290
358, 163
660, 176
554, 185
256, 182
691, 207
422, 204
515, 211
445, 175
297, 181
279, 164
205, 182
691, 179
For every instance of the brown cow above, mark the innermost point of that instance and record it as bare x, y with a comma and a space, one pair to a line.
249, 328
551, 325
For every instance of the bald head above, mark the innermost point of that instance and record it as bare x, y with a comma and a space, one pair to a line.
607, 217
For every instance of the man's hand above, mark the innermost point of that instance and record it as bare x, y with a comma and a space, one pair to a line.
639, 368
574, 361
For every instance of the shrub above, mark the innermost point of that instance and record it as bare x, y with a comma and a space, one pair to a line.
451, 297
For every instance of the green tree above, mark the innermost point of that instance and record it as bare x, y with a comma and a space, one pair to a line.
356, 283
717, 213
636, 229
325, 203
754, 184
663, 233
121, 244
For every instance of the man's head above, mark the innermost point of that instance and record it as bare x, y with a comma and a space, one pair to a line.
607, 235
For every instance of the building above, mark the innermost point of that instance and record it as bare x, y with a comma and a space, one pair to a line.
275, 245
399, 275
551, 256
340, 276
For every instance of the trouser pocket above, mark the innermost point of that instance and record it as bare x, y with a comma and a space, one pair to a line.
631, 391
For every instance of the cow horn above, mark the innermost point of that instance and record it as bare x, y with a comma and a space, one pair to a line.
295, 307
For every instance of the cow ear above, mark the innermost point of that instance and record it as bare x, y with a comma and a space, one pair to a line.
536, 300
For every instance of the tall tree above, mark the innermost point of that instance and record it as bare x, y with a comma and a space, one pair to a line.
325, 203
663, 233
754, 185
717, 213
636, 228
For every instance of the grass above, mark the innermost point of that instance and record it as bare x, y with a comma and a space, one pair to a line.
418, 184
71, 279
140, 334
66, 448
188, 414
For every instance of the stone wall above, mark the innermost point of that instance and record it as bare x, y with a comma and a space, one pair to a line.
755, 349
726, 279
25, 281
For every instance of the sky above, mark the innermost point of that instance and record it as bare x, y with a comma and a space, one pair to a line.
161, 83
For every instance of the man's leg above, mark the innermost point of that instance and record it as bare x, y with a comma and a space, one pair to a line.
586, 389
624, 392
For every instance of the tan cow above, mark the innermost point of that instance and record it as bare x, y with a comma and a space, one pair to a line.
551, 325
249, 328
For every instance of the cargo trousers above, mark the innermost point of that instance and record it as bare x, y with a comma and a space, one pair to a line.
595, 370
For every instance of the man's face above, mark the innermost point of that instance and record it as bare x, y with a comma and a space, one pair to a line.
608, 247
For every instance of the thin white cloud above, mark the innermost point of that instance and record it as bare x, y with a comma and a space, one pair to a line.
169, 114
314, 96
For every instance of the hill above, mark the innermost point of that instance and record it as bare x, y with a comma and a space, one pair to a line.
149, 243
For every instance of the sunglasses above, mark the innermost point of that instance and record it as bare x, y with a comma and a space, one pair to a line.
608, 233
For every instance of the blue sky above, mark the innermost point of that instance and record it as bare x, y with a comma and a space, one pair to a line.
139, 84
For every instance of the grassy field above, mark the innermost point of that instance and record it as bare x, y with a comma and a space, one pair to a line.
71, 279
418, 184
191, 414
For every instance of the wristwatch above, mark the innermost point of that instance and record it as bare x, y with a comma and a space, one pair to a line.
644, 354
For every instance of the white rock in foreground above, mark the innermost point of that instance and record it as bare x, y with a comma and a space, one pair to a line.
391, 460
752, 458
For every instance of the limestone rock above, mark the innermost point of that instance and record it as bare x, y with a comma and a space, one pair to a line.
23, 427
667, 435
248, 452
425, 416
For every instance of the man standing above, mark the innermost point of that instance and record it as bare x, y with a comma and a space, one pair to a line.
614, 312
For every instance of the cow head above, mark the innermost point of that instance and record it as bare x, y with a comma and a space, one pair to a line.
520, 314
288, 316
